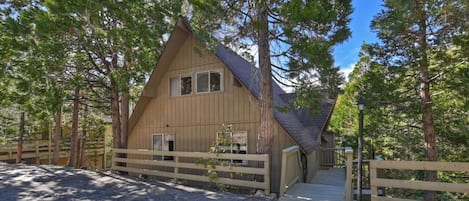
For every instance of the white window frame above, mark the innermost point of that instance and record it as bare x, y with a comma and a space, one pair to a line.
244, 147
180, 83
209, 89
163, 138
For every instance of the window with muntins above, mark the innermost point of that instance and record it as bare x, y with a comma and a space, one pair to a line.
163, 142
180, 85
235, 143
210, 81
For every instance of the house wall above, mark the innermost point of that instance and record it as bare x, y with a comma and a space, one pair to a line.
195, 119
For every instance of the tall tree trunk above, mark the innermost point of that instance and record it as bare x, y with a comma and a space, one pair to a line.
426, 100
264, 142
57, 135
116, 128
19, 152
125, 110
265, 137
74, 144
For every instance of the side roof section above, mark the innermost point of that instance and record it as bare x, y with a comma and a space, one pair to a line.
303, 127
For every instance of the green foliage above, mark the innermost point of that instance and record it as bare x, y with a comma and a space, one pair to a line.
389, 77
224, 139
50, 47
301, 34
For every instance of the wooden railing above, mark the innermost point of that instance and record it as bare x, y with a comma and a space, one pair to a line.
365, 174
332, 157
416, 185
43, 150
291, 171
141, 162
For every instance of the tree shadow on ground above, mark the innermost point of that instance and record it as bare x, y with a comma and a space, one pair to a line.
44, 182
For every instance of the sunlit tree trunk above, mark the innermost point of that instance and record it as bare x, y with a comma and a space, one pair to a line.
426, 101
264, 143
116, 128
125, 110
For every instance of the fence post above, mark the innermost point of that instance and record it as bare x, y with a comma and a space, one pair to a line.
49, 150
267, 174
36, 143
113, 153
348, 177
373, 176
283, 174
176, 169
10, 154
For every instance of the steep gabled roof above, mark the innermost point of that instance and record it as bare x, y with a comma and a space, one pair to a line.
299, 124
303, 127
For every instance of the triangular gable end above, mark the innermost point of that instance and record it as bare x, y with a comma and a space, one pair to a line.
180, 33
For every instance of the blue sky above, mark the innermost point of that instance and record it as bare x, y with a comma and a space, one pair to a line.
346, 54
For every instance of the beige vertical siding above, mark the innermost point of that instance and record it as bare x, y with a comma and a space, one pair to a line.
194, 119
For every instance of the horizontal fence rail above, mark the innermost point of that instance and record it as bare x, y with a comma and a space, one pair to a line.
43, 150
415, 185
136, 162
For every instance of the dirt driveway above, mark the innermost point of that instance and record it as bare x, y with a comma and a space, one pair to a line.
45, 182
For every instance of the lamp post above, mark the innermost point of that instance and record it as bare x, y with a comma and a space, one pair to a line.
361, 106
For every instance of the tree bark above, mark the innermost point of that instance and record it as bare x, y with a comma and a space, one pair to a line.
116, 128
125, 111
82, 152
19, 151
264, 142
426, 100
57, 135
74, 143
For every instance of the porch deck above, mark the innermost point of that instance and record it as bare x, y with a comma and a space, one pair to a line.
327, 185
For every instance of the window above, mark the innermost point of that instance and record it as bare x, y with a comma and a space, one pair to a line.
180, 85
235, 143
210, 81
163, 142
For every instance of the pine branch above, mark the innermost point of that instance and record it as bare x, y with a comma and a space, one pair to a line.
282, 83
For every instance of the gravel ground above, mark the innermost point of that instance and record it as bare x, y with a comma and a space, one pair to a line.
46, 182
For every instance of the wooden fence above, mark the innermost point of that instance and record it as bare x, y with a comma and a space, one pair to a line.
43, 150
416, 185
175, 167
291, 172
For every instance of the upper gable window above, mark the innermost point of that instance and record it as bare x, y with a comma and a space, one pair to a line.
180, 85
209, 81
